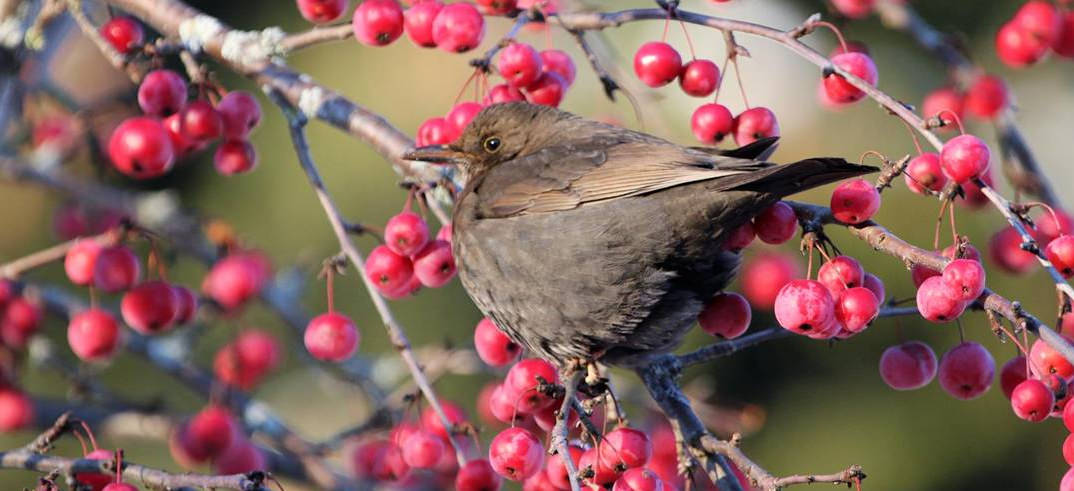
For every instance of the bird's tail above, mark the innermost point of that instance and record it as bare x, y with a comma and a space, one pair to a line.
787, 179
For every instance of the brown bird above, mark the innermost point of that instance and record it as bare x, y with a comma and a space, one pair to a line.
585, 241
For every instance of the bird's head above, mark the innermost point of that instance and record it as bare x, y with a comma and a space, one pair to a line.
499, 133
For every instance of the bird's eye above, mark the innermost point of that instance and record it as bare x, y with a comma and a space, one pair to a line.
491, 144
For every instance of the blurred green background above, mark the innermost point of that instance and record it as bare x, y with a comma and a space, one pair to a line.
823, 407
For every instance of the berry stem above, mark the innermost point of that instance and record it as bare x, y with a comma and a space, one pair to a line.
838, 34
89, 433
330, 287
913, 135
954, 115
689, 42
119, 465
741, 86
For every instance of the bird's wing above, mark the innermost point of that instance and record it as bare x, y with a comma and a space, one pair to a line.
567, 176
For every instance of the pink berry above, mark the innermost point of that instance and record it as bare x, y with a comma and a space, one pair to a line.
1060, 253
856, 308
548, 90
236, 278
212, 430
390, 272
1051, 225
840, 273
418, 22
656, 63
503, 407
740, 237
79, 261
150, 307
753, 124
477, 475
966, 371
1044, 357
331, 337
1064, 42
516, 454
942, 103
123, 33
711, 122
874, 285
602, 474
1005, 249
924, 172
519, 64
162, 93
116, 269
855, 201
496, 7
639, 479
240, 112
235, 157
377, 22
406, 233
625, 448
95, 480
854, 9
321, 11
182, 146
560, 63
907, 366
523, 380
93, 334
434, 265
938, 302
458, 28
727, 315
1068, 417
776, 224
1012, 374
421, 449
493, 346
18, 321
141, 148
806, 307
857, 64
765, 275
431, 420
986, 97
239, 458
435, 131
16, 409
965, 277
1032, 400
501, 93
1068, 453
460, 116
699, 78
1040, 19
556, 469
200, 122
243, 362
1017, 47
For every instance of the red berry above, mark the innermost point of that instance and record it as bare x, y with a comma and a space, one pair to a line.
418, 22
240, 112
855, 201
1040, 19
560, 63
431, 420
516, 454
548, 90
1068, 416
556, 467
95, 480
434, 265
1060, 252
240, 458
236, 278
459, 27
942, 103
243, 362
699, 78
856, 308
435, 131
840, 273
711, 123
235, 157
965, 277
1064, 42
858, 64
116, 269
938, 302
921, 273
1032, 400
1018, 47
406, 233
1005, 249
1051, 225
200, 122
727, 315
966, 371
522, 381
331, 337
1044, 357
740, 237
377, 22
123, 33
211, 431
806, 307
924, 172
493, 346
503, 407
855, 9
321, 11
150, 307
390, 272
460, 116
657, 63
639, 479
141, 148
477, 475
496, 7
625, 448
874, 285
754, 124
907, 366
181, 145
93, 334
590, 460
1068, 452
765, 275
502, 93
1012, 374
16, 409
776, 224
519, 64
162, 92
18, 321
986, 97
421, 449
79, 261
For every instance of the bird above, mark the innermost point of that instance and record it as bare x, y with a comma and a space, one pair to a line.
588, 242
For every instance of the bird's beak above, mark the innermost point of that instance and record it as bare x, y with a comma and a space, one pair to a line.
437, 154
